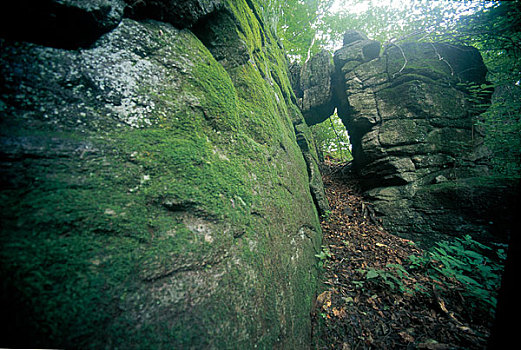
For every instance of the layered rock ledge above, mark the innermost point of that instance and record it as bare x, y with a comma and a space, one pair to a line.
411, 118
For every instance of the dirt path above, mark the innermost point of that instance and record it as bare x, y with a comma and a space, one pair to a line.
368, 299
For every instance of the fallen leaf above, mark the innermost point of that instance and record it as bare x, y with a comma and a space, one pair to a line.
432, 344
349, 300
339, 313
324, 300
406, 337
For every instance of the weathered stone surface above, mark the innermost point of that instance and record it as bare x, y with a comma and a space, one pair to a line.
410, 99
411, 125
182, 14
59, 23
78, 23
294, 76
479, 206
317, 92
220, 34
308, 148
352, 36
152, 198
411, 122
361, 51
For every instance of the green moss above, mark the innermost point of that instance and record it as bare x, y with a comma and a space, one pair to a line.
249, 28
182, 233
421, 61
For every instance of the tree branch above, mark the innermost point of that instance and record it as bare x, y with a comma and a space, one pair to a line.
404, 63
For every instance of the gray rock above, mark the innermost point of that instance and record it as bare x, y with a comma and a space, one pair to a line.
410, 128
404, 108
219, 33
352, 36
440, 179
182, 14
59, 23
361, 51
317, 91
294, 71
411, 131
308, 148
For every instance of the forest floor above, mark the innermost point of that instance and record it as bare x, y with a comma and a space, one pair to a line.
371, 298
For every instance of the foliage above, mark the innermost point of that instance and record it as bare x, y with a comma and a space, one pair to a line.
464, 265
327, 215
501, 124
495, 31
332, 139
307, 26
393, 277
297, 23
470, 264
323, 256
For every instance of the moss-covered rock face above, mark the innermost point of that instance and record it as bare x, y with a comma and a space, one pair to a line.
154, 194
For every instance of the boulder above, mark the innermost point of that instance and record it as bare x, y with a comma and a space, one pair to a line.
181, 14
317, 102
351, 36
294, 76
155, 196
410, 114
357, 47
409, 105
410, 118
221, 35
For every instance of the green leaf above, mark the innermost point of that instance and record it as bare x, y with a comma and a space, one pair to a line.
372, 274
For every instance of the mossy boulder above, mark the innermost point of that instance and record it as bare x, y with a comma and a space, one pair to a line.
480, 206
153, 196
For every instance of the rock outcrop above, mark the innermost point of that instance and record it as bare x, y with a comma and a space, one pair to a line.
158, 186
411, 118
409, 114
316, 89
181, 14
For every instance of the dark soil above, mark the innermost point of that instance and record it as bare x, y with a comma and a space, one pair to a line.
407, 310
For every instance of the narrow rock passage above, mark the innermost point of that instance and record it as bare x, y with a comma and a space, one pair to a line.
370, 296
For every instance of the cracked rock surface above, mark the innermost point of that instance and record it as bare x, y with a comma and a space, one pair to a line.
412, 121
